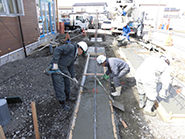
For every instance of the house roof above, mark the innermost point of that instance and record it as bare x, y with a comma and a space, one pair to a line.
91, 4
65, 8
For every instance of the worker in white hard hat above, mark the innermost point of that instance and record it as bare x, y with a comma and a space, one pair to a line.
152, 71
64, 57
125, 32
117, 68
140, 28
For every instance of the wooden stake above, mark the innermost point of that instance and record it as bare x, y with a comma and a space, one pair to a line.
34, 114
2, 136
123, 123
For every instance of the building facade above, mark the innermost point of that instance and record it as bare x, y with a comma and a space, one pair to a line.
100, 7
24, 26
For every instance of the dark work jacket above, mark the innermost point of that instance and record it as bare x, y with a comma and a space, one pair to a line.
65, 56
115, 65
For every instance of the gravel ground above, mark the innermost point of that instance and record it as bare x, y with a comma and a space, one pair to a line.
25, 78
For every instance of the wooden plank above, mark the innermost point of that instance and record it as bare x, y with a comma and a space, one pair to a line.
98, 74
93, 54
2, 136
169, 117
34, 115
143, 52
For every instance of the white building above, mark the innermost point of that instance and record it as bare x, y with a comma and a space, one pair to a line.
100, 7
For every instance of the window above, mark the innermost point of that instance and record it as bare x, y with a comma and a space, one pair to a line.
1, 7
11, 8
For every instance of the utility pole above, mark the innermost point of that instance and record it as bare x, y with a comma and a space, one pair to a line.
156, 22
57, 16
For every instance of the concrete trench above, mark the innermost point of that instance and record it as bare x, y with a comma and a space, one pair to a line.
84, 125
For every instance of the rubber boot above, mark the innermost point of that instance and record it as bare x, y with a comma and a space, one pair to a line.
113, 89
142, 100
148, 108
72, 99
64, 106
118, 91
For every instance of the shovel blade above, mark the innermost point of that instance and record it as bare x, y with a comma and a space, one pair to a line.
118, 105
13, 99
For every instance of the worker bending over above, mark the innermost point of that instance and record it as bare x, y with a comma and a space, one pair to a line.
64, 57
125, 32
152, 71
117, 68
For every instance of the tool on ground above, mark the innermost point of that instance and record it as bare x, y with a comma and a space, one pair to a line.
123, 123
115, 103
48, 71
12, 100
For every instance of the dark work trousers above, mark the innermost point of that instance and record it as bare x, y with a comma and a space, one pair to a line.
61, 86
122, 73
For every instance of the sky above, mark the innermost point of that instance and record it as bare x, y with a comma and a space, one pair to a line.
171, 3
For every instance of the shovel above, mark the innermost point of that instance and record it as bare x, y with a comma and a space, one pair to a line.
48, 72
115, 103
12, 100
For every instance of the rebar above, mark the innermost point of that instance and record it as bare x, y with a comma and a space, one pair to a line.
95, 78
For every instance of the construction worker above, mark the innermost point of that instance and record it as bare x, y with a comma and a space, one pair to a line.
64, 57
152, 71
140, 28
117, 68
126, 31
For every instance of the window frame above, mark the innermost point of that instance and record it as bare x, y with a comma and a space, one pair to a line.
7, 10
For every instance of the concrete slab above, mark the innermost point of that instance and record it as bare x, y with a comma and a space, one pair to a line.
99, 31
92, 105
171, 107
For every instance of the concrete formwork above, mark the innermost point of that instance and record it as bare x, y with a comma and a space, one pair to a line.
171, 109
88, 105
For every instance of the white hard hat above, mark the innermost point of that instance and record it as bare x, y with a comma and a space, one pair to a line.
167, 58
100, 59
83, 46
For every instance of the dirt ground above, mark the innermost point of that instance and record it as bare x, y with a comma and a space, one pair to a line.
25, 78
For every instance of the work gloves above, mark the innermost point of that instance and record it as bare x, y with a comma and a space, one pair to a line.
105, 77
55, 66
75, 80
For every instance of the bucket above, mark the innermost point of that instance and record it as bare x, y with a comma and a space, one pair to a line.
4, 112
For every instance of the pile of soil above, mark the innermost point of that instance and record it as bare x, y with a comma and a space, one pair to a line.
25, 78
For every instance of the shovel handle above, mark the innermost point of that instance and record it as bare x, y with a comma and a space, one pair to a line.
104, 89
71, 79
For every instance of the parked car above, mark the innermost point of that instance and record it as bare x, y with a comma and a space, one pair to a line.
106, 25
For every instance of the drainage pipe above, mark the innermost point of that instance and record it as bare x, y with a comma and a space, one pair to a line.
22, 37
